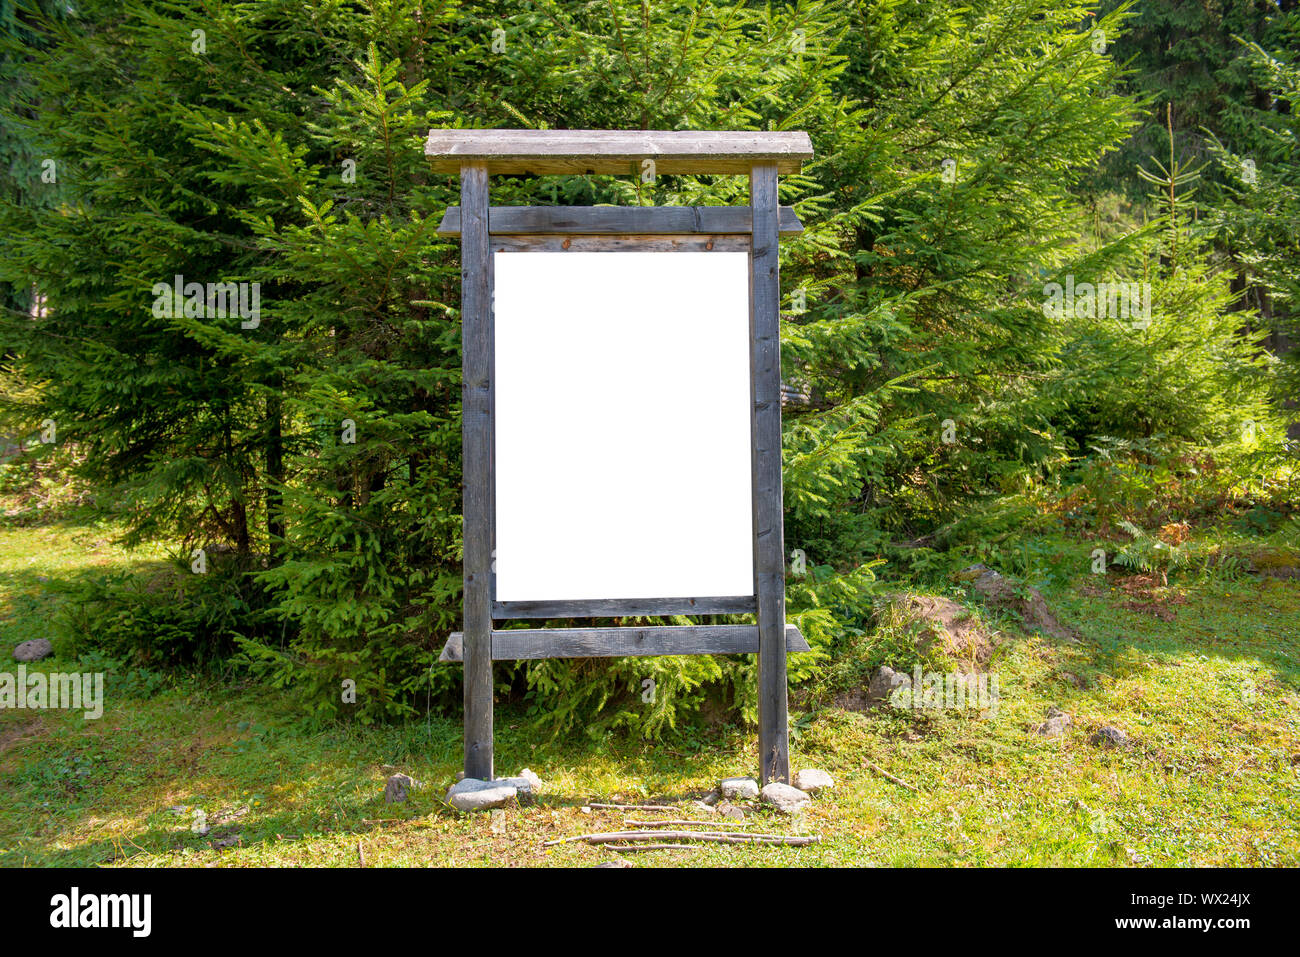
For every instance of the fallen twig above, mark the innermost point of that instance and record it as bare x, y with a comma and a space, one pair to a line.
623, 849
716, 837
633, 807
899, 781
629, 823
361, 854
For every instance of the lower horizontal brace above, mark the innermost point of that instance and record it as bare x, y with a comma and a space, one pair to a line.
625, 607
532, 643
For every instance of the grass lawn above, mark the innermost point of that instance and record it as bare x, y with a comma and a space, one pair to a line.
1210, 701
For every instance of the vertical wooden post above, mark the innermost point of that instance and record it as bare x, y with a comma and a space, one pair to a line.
476, 434
769, 536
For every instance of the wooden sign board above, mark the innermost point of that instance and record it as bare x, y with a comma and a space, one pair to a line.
622, 413
622, 465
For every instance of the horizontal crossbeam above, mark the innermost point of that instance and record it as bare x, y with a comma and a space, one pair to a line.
619, 220
534, 643
619, 152
657, 243
624, 607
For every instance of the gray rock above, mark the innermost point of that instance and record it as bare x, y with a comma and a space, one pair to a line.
784, 798
619, 863
738, 789
884, 683
731, 812
526, 783
34, 650
1057, 723
398, 788
227, 815
1054, 727
1026, 601
811, 780
471, 794
1109, 737
534, 782
712, 798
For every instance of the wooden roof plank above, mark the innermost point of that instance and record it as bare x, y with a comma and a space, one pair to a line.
617, 151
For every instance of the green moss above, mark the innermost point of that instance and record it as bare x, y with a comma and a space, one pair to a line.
1274, 556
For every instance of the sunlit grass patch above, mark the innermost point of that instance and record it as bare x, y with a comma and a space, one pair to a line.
1208, 700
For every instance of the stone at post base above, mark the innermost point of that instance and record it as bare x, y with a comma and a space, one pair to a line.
526, 783
812, 780
528, 775
738, 789
783, 797
471, 794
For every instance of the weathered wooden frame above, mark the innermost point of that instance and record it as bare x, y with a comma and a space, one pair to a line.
756, 229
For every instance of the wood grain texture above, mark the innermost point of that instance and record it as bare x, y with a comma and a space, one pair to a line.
769, 545
623, 607
476, 436
536, 643
556, 242
616, 220
618, 152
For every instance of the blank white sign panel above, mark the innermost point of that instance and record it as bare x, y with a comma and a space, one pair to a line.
622, 407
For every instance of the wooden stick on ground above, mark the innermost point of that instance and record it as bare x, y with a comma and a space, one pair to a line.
630, 823
899, 781
716, 837
653, 847
633, 807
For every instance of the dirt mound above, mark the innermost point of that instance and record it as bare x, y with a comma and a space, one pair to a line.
941, 625
1024, 601
938, 627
